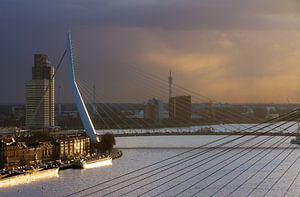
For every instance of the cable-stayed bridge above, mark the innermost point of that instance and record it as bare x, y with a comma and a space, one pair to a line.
258, 157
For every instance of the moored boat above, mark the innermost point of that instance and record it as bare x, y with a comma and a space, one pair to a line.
17, 178
94, 162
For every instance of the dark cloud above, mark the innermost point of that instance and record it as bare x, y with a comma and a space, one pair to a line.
187, 14
207, 42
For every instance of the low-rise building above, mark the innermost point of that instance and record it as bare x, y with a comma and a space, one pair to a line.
14, 153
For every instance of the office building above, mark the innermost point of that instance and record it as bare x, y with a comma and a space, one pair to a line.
180, 108
40, 94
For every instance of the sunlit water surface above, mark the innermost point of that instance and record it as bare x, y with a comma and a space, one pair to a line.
141, 151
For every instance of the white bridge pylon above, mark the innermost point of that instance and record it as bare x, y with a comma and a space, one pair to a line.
84, 116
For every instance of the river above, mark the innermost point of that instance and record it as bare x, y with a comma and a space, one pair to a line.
142, 151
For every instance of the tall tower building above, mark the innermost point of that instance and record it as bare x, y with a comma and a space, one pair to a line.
40, 94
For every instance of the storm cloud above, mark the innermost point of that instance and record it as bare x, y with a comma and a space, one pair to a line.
229, 50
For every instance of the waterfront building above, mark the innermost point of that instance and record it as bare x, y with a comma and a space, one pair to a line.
71, 146
40, 94
180, 108
13, 153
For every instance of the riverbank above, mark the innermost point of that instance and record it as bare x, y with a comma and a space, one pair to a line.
21, 176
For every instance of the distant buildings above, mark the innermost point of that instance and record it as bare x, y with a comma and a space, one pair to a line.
154, 110
272, 112
180, 108
134, 113
40, 94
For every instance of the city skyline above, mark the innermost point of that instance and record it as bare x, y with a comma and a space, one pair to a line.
231, 51
196, 98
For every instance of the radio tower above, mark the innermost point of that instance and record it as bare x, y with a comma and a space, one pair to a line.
170, 84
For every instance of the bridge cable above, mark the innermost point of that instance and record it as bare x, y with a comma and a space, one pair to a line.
173, 165
293, 163
88, 98
196, 167
153, 76
235, 177
190, 121
118, 115
242, 125
246, 180
169, 158
197, 183
159, 84
273, 148
177, 170
156, 88
161, 184
218, 178
292, 183
112, 111
272, 171
171, 130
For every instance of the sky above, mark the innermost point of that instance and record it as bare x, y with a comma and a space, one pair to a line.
235, 51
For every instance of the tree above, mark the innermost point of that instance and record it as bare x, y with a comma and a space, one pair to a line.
107, 142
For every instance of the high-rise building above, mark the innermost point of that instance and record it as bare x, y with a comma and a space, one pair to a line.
40, 94
180, 108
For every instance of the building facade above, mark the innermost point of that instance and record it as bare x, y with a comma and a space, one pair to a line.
180, 108
14, 153
72, 146
40, 94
